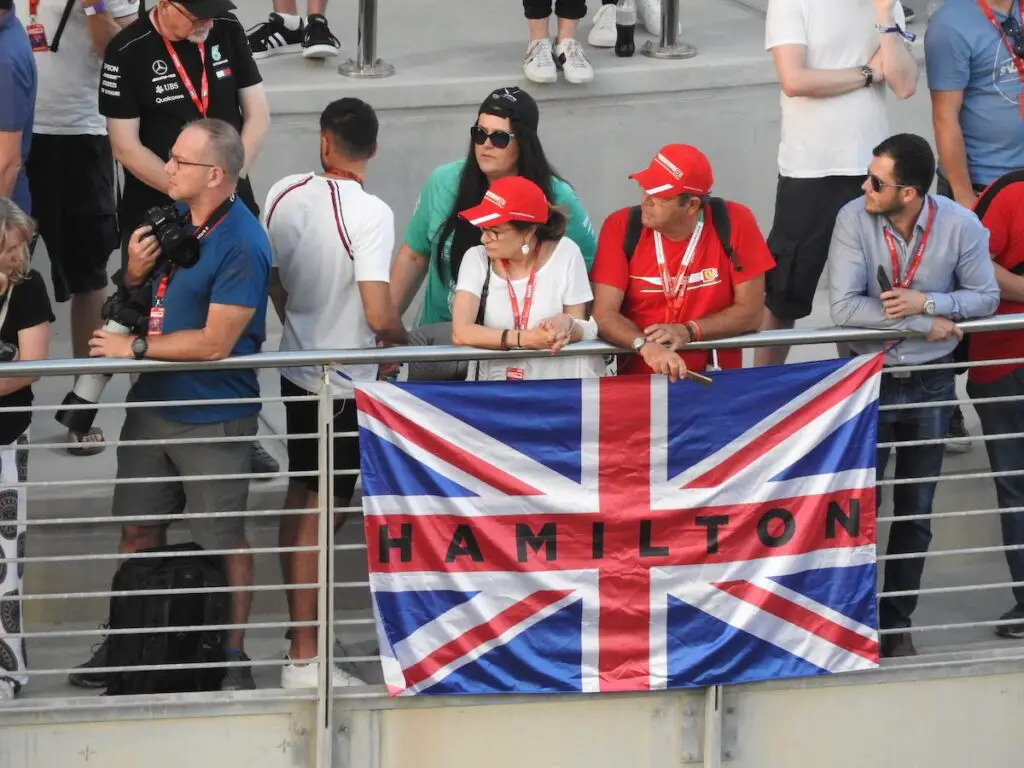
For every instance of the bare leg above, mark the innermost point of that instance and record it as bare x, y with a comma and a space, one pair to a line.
303, 568
539, 29
85, 318
286, 6
137, 537
316, 6
772, 355
567, 28
238, 569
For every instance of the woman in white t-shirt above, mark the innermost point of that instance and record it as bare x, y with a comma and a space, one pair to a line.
534, 285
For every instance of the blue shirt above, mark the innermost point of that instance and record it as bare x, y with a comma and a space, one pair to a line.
956, 270
233, 268
17, 95
964, 52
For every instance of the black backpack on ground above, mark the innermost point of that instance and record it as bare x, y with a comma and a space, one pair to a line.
156, 612
719, 220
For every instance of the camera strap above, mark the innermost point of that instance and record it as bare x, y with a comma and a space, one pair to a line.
156, 312
6, 305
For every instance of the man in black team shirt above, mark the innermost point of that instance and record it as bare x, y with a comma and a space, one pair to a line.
183, 60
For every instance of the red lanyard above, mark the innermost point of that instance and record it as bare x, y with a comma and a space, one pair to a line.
202, 104
521, 321
918, 253
33, 8
675, 291
343, 174
1002, 34
161, 288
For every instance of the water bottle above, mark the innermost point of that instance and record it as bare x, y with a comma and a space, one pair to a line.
625, 26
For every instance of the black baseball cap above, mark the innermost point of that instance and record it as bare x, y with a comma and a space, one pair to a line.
206, 9
513, 103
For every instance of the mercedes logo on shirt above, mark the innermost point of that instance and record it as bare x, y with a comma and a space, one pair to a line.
160, 67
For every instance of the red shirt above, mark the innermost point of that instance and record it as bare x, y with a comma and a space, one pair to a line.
711, 282
1004, 220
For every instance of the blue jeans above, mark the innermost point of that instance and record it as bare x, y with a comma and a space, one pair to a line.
910, 498
1006, 456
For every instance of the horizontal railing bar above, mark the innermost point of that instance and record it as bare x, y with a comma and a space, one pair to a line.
147, 592
941, 515
948, 590
940, 403
154, 555
950, 552
163, 667
791, 337
267, 437
174, 479
103, 631
950, 478
156, 403
937, 627
120, 519
945, 440
957, 366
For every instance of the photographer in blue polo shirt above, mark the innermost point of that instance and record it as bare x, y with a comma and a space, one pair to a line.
17, 106
211, 310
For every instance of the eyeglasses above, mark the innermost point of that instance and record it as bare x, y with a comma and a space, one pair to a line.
878, 185
499, 139
1011, 28
175, 161
493, 233
191, 19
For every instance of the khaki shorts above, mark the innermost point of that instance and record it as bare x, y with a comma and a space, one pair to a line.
170, 499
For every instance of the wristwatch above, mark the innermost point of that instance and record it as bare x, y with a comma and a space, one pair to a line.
869, 75
929, 305
92, 10
638, 343
139, 347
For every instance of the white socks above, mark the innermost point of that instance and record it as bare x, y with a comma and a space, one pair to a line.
291, 21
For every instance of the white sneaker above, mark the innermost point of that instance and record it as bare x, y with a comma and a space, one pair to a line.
6, 690
575, 66
603, 34
539, 66
307, 676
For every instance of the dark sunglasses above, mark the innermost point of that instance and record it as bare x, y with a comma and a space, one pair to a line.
878, 185
1012, 30
499, 139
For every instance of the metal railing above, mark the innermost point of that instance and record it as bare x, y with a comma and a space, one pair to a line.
366, 63
669, 46
333, 624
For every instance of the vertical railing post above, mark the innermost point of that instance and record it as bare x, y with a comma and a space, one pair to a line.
366, 63
670, 46
713, 727
325, 575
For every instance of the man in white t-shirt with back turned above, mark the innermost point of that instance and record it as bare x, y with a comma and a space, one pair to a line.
835, 60
332, 244
71, 167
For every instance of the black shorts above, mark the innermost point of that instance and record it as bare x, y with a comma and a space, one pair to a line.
303, 417
71, 179
805, 214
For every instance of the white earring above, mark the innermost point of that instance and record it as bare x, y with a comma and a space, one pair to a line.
526, 249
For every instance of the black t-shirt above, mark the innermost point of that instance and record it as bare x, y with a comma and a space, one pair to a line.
140, 81
30, 306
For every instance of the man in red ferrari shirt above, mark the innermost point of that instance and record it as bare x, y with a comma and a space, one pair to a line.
1001, 210
679, 285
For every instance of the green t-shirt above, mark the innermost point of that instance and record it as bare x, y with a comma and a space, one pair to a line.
432, 209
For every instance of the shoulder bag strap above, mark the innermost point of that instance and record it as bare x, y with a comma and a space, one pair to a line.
7, 304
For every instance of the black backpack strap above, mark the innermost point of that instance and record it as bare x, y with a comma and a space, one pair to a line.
483, 292
634, 228
723, 228
989, 194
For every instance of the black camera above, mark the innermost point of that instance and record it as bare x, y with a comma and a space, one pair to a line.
8, 352
173, 231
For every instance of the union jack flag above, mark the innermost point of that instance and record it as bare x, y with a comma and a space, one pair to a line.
622, 534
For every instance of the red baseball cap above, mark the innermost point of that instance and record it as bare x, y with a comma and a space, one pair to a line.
511, 198
677, 169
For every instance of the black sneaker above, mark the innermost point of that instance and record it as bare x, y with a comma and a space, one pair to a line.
318, 42
958, 439
263, 462
92, 680
1013, 631
897, 646
273, 37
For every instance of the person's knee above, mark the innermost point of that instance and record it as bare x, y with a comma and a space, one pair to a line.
136, 537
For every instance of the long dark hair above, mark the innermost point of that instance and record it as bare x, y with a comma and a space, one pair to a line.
473, 184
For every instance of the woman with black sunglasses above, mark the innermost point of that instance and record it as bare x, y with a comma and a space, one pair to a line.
503, 142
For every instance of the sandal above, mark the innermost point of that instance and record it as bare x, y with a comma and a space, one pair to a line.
87, 444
